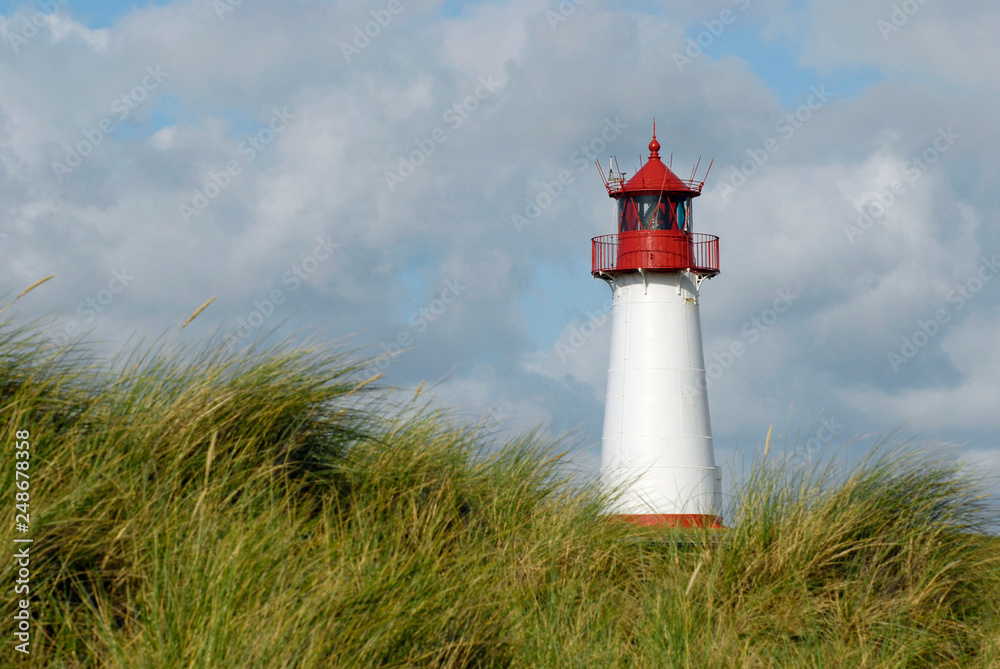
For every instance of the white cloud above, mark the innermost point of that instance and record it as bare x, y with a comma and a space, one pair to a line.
324, 177
163, 138
970, 345
936, 39
63, 28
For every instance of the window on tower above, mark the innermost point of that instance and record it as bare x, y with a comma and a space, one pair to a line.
684, 214
646, 212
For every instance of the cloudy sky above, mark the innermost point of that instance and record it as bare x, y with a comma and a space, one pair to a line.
409, 174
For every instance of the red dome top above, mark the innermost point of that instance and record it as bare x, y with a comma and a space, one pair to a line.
657, 177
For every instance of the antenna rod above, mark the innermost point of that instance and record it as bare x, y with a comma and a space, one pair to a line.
708, 170
695, 170
600, 171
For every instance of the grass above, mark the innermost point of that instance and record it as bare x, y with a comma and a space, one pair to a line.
191, 508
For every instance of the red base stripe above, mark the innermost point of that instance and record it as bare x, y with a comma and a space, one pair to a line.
671, 519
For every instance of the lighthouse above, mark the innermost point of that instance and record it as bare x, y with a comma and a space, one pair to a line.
656, 449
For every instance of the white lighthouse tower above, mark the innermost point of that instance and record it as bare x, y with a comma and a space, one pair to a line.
657, 444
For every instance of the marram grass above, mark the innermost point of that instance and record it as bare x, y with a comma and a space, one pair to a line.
271, 509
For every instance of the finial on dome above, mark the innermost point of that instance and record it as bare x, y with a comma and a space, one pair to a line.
654, 146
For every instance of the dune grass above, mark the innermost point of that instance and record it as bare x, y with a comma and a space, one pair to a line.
273, 509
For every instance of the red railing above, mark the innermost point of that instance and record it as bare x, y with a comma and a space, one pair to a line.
616, 185
656, 250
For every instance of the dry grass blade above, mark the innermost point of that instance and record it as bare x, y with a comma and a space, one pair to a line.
198, 311
33, 286
694, 576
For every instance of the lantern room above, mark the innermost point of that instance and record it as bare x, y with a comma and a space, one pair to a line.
654, 223
659, 211
655, 198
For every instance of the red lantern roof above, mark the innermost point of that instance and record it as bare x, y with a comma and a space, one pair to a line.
653, 177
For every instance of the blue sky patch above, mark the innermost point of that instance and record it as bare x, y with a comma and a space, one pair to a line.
94, 14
